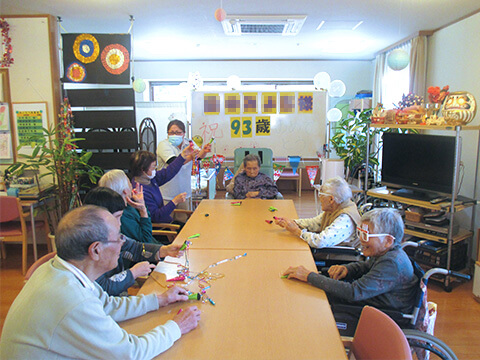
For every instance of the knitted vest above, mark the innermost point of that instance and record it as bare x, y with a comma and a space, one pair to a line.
347, 207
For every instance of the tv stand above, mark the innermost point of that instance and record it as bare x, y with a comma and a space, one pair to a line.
415, 194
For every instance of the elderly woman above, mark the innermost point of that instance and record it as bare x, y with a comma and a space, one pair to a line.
167, 151
143, 166
252, 183
135, 221
386, 280
141, 256
336, 224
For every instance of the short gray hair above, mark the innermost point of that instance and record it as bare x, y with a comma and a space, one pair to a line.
386, 221
116, 180
252, 157
338, 188
78, 229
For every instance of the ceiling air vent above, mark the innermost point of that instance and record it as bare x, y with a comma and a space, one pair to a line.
285, 25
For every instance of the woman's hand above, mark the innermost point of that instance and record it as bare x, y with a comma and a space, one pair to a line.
172, 295
172, 250
299, 272
142, 269
179, 198
337, 272
205, 150
289, 225
189, 153
137, 201
252, 194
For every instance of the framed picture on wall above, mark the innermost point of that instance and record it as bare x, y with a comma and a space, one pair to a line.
29, 119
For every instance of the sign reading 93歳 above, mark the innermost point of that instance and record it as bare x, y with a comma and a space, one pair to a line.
241, 127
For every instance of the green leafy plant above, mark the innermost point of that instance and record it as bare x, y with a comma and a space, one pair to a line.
56, 156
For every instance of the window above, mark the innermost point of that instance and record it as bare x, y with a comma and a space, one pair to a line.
395, 83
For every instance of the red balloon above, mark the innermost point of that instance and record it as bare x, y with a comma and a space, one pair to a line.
220, 14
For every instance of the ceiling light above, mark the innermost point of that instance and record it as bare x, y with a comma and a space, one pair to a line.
339, 25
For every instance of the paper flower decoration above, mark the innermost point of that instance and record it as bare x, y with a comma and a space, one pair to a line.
409, 100
435, 95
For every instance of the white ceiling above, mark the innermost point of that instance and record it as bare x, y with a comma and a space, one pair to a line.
187, 29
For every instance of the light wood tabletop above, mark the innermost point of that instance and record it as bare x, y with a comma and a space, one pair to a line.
229, 226
257, 314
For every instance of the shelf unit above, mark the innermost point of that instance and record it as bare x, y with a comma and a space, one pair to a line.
451, 206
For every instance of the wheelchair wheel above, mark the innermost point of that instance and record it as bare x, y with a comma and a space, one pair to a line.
420, 341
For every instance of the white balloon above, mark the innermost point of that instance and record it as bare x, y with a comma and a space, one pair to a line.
337, 88
139, 85
321, 80
233, 82
334, 115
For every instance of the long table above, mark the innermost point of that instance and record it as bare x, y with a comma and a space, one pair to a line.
257, 314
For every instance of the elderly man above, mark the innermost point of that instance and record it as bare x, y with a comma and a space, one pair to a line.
386, 280
62, 313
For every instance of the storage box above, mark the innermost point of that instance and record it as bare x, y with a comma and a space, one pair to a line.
360, 104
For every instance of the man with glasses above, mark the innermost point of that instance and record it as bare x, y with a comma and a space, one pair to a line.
61, 312
385, 280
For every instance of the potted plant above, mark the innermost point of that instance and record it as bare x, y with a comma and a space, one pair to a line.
56, 156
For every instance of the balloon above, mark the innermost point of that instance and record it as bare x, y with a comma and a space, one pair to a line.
334, 115
220, 14
321, 80
197, 139
337, 88
233, 82
139, 85
398, 59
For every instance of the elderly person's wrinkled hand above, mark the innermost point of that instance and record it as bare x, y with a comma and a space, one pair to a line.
137, 200
289, 225
337, 272
187, 319
252, 194
299, 272
172, 250
142, 269
172, 295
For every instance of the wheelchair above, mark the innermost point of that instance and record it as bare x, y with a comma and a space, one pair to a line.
346, 316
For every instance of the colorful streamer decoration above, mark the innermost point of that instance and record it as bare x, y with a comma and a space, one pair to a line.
76, 72
86, 48
312, 173
115, 59
294, 162
277, 171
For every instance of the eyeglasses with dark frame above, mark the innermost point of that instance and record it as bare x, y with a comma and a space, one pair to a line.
175, 133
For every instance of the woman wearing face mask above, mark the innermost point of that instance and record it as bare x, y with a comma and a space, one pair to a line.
167, 151
143, 170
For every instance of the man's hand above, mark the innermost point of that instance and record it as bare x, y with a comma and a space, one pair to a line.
187, 319
180, 198
299, 272
142, 269
337, 272
252, 194
172, 295
172, 250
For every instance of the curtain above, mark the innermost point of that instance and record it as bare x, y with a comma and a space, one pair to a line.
378, 79
418, 65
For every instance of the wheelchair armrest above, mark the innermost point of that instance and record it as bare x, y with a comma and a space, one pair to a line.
337, 250
165, 226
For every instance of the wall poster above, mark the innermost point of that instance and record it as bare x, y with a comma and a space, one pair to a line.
29, 119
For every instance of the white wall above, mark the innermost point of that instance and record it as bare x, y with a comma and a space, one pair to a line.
453, 60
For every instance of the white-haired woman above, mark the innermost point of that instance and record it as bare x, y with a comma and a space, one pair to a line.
337, 223
135, 221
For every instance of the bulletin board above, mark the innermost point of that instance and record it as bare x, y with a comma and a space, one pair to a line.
288, 122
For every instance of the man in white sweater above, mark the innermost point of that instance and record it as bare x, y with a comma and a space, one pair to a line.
62, 313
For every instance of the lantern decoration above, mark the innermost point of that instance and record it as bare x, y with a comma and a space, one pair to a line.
459, 108
334, 115
139, 85
398, 59
7, 59
321, 81
233, 82
337, 88
220, 14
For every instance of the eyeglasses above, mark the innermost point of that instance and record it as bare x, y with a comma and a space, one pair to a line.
323, 194
121, 240
365, 236
175, 133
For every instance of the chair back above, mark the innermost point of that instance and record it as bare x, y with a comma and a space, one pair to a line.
37, 264
265, 155
379, 337
148, 135
10, 208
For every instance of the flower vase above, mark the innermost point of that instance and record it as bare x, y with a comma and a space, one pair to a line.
432, 109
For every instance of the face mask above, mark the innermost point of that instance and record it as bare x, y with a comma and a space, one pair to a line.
154, 172
175, 140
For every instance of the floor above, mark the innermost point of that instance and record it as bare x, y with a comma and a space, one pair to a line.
458, 318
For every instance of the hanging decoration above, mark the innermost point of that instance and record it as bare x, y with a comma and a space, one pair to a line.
233, 82
76, 72
139, 85
321, 81
7, 59
86, 48
337, 88
277, 171
220, 14
398, 59
294, 162
115, 59
312, 173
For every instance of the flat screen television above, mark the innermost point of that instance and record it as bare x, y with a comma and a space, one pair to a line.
421, 165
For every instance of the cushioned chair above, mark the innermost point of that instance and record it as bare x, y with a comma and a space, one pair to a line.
13, 227
378, 337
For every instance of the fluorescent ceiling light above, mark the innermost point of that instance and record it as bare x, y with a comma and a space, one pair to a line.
339, 25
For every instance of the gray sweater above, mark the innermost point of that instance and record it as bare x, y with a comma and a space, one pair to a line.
386, 282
